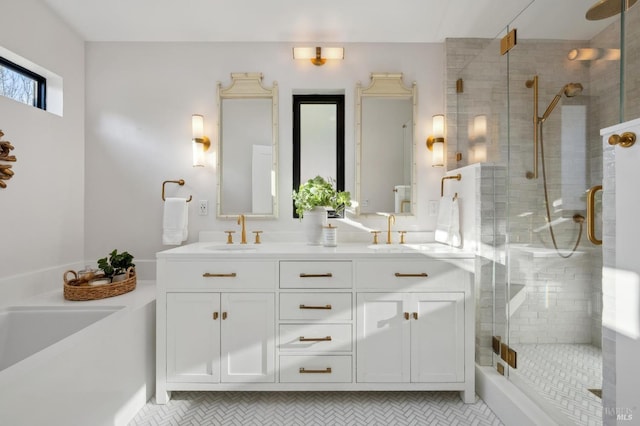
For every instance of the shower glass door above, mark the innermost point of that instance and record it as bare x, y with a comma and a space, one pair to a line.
562, 91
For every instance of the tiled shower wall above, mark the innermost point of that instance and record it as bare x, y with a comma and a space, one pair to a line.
569, 291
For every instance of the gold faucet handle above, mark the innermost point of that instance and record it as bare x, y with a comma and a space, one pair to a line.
230, 236
402, 236
375, 236
257, 241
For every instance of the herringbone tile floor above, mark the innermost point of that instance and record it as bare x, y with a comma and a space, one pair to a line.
316, 409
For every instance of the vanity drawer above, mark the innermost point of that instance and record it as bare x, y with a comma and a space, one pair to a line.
410, 275
315, 306
315, 337
221, 275
315, 369
315, 274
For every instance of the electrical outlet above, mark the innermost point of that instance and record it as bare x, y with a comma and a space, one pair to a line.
203, 207
433, 208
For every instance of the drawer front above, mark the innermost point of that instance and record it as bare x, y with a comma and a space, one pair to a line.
221, 275
315, 306
318, 274
410, 276
315, 369
315, 337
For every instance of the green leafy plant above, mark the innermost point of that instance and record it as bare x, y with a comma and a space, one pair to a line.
318, 192
116, 263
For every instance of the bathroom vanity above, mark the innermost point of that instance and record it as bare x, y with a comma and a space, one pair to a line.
295, 317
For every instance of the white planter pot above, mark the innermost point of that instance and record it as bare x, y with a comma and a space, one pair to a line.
313, 222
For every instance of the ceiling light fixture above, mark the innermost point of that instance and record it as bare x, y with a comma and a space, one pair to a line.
318, 55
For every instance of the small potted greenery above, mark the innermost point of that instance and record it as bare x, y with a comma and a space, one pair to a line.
315, 197
116, 264
318, 192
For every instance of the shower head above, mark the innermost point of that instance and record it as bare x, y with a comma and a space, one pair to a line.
572, 89
569, 90
607, 8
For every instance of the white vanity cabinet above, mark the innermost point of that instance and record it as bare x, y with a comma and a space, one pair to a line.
295, 317
220, 337
410, 337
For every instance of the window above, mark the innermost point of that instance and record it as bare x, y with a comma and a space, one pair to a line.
22, 85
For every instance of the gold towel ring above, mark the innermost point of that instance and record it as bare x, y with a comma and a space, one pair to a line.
179, 182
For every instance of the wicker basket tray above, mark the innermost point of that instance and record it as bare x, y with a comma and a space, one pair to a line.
76, 289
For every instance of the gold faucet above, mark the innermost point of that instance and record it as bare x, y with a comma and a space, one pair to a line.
390, 219
243, 236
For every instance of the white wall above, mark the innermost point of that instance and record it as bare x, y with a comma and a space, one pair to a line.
42, 208
140, 98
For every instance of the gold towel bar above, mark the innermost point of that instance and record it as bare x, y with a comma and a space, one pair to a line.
179, 182
456, 177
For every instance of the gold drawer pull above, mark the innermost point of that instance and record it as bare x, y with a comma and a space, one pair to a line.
406, 315
215, 315
401, 275
315, 307
224, 315
327, 275
415, 315
315, 339
209, 275
325, 371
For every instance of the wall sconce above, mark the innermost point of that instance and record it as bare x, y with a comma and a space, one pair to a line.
435, 143
318, 55
478, 147
591, 54
199, 142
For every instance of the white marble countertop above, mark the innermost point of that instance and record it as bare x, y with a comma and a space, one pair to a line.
210, 250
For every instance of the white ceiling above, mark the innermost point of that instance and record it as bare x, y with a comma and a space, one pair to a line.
322, 21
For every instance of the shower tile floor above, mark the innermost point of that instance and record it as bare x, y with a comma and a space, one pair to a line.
563, 375
316, 409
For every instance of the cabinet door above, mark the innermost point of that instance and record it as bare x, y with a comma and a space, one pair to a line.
383, 353
193, 337
437, 337
248, 337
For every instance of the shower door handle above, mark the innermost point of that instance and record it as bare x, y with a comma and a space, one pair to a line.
591, 214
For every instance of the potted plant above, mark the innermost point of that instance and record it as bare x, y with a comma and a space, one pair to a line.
116, 264
313, 199
318, 192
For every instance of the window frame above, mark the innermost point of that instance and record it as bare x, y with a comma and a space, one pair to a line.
40, 100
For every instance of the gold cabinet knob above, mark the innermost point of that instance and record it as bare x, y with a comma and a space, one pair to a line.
625, 140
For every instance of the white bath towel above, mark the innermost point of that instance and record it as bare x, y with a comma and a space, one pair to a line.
175, 221
448, 224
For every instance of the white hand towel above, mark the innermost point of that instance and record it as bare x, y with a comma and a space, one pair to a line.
454, 231
174, 222
443, 225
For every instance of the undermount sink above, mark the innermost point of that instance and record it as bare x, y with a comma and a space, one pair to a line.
232, 247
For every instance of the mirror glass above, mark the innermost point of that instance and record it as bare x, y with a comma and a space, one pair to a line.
385, 129
247, 148
318, 139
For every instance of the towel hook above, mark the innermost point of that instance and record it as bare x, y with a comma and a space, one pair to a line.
179, 182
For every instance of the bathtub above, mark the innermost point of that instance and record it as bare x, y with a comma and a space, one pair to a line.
77, 363
26, 331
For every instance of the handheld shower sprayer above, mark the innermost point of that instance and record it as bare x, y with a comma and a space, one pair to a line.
569, 90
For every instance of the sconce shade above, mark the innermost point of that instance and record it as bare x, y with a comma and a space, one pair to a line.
591, 54
318, 55
435, 143
199, 142
437, 159
480, 127
197, 126
438, 126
